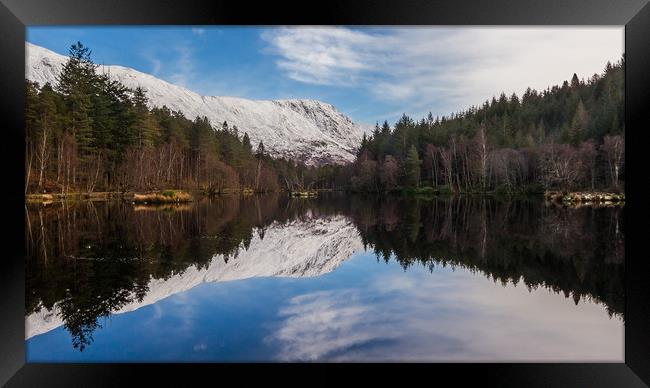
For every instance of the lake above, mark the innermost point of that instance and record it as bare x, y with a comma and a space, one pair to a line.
334, 278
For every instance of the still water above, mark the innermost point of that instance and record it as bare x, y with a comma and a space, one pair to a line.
334, 278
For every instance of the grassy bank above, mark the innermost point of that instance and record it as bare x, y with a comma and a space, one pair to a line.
153, 197
139, 197
56, 197
160, 197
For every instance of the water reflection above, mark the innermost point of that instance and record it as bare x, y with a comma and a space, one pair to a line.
578, 252
94, 259
442, 316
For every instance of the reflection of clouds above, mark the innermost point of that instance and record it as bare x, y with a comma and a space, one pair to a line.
185, 311
200, 347
321, 323
454, 316
157, 311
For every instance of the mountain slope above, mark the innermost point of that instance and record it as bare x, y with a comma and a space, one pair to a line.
308, 130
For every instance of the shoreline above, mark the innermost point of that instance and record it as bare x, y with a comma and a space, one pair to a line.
174, 196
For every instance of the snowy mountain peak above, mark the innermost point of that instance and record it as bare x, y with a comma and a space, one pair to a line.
309, 130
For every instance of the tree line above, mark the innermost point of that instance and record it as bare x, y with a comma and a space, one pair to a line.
565, 137
89, 132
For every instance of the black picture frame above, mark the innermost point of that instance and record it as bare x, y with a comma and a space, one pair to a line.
16, 14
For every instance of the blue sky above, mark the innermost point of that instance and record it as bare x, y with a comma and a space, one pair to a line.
370, 74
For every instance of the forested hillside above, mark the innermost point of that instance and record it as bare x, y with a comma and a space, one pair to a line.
90, 133
566, 137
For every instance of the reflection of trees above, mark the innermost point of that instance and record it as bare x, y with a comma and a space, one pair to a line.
92, 258
578, 252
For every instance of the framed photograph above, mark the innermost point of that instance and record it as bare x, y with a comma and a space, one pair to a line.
447, 187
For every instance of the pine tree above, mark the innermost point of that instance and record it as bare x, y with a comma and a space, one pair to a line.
541, 132
412, 165
78, 73
385, 128
102, 114
77, 82
81, 122
123, 131
363, 148
260, 151
146, 127
575, 82
246, 142
401, 134
579, 124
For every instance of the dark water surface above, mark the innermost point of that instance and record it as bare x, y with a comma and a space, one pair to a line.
335, 278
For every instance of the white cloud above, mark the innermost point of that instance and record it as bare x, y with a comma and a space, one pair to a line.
198, 31
173, 61
156, 66
319, 55
444, 69
184, 66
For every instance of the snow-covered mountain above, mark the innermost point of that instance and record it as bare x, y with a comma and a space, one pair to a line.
301, 248
308, 130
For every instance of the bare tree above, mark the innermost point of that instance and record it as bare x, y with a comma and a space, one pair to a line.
614, 149
446, 158
560, 164
389, 171
431, 162
482, 148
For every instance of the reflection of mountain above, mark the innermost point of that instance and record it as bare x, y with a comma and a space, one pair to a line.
300, 248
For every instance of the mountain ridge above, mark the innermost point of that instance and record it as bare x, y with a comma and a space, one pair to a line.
306, 130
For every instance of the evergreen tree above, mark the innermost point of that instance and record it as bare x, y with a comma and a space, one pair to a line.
246, 142
412, 165
147, 129
575, 82
385, 128
579, 124
363, 148
80, 122
78, 73
260, 150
